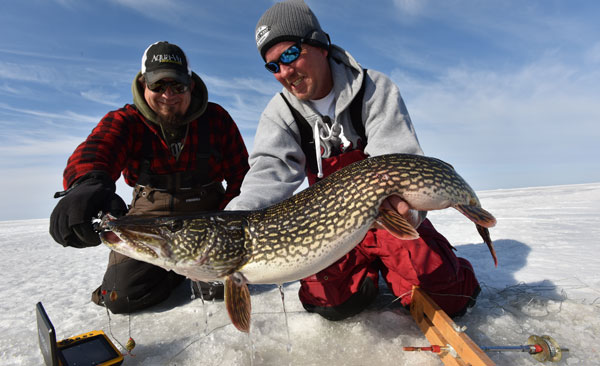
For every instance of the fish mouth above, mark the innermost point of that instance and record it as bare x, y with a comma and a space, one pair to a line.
133, 238
110, 238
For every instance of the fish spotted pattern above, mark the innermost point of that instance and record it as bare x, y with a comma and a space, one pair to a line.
303, 234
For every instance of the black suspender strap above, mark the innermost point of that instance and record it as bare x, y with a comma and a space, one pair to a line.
307, 141
204, 149
356, 110
146, 156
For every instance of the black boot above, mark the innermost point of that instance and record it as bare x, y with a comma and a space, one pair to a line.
209, 290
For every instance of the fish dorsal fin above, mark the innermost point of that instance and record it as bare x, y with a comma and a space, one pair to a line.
396, 224
477, 214
237, 301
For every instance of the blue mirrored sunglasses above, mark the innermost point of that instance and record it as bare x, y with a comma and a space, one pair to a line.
287, 57
161, 87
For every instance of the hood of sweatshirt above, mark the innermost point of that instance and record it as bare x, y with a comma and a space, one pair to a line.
198, 102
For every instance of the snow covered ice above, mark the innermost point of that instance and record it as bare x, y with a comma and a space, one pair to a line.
547, 282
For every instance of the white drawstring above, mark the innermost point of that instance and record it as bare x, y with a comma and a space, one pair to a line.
317, 138
322, 131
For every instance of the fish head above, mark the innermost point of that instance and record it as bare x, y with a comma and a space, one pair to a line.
174, 243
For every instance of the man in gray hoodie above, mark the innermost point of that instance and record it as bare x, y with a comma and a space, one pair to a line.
330, 113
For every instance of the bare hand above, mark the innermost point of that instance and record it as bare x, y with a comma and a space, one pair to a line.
396, 203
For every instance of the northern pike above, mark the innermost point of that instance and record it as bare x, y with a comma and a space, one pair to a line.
301, 235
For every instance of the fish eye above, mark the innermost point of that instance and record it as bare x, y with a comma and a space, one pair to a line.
175, 225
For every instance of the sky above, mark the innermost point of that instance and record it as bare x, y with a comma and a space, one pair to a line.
506, 91
546, 283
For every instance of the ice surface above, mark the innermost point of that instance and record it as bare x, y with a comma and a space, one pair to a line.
547, 282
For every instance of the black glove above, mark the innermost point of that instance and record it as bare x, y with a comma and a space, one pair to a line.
71, 219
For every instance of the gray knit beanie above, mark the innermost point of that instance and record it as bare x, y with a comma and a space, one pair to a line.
290, 20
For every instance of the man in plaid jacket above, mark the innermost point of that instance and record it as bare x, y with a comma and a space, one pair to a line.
175, 148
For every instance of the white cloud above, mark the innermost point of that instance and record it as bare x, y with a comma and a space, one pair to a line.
12, 90
411, 7
45, 55
535, 94
592, 55
223, 86
69, 4
521, 125
24, 72
62, 116
244, 98
98, 96
164, 11
28, 147
506, 24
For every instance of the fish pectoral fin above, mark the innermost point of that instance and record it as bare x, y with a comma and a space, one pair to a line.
237, 301
477, 214
396, 225
485, 235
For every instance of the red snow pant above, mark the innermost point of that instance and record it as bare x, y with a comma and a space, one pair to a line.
348, 286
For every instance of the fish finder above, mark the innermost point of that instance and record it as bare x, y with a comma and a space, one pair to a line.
91, 348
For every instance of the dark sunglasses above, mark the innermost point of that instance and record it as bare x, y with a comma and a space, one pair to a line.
287, 57
161, 87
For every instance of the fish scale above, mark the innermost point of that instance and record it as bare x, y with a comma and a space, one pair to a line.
346, 208
303, 234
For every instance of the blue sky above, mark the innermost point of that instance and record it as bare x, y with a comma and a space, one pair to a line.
506, 91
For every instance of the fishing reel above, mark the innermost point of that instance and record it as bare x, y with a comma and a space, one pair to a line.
545, 348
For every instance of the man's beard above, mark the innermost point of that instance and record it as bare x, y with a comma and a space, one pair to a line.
171, 121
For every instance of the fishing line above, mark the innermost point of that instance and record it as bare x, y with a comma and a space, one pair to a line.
130, 344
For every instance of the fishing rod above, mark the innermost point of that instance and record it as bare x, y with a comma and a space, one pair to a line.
542, 348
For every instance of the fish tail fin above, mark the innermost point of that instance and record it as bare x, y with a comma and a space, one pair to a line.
485, 235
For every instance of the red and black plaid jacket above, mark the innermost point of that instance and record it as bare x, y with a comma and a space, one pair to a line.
116, 145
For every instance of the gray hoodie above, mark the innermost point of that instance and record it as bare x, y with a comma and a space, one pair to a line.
277, 162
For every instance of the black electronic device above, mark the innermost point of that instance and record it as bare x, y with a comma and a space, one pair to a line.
91, 348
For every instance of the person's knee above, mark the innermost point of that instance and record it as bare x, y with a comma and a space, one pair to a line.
132, 285
365, 295
460, 295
